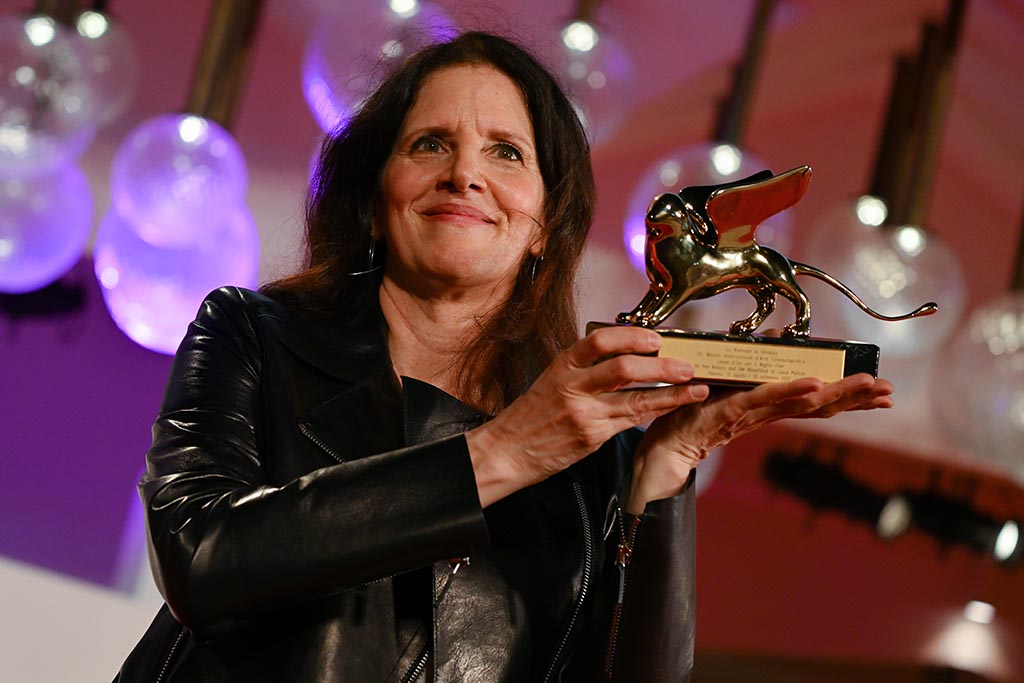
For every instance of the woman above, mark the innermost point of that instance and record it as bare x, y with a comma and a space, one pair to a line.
400, 464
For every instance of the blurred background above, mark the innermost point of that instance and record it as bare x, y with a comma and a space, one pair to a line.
151, 151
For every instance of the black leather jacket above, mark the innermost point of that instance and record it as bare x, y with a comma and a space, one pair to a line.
305, 510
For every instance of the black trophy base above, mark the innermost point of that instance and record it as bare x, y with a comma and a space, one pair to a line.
718, 358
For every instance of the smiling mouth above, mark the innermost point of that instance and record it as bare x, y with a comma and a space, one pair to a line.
458, 213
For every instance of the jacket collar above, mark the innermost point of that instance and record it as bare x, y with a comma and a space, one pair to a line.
375, 413
351, 346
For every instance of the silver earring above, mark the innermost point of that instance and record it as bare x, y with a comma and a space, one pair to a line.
535, 267
370, 267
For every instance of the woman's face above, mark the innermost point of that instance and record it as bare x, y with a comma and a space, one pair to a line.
462, 191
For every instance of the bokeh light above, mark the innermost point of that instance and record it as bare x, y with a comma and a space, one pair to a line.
598, 73
153, 292
174, 175
47, 117
45, 222
353, 46
894, 270
978, 390
109, 64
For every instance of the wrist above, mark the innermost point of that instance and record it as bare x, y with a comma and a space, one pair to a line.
497, 470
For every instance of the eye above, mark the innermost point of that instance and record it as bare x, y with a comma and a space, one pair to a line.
428, 143
508, 151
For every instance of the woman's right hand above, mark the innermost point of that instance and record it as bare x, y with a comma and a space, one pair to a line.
576, 405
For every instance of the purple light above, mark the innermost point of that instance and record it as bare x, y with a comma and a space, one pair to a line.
175, 175
353, 47
153, 293
700, 164
44, 224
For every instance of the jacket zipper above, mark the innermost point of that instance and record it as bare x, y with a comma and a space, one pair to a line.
170, 655
308, 432
417, 666
421, 659
623, 557
588, 561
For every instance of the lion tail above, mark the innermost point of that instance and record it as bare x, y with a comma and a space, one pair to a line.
804, 269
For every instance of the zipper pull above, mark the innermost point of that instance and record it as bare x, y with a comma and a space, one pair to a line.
456, 563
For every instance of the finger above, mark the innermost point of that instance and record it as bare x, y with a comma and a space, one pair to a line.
641, 405
612, 341
836, 397
775, 393
620, 371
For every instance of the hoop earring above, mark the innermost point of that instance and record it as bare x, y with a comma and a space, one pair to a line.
536, 265
370, 266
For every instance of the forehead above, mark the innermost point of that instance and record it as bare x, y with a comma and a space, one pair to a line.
470, 93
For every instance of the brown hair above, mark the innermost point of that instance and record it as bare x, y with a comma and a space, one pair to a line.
539, 318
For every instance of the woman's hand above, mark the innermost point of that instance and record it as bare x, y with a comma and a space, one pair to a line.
676, 442
575, 405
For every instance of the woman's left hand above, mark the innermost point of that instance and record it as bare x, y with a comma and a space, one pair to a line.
676, 442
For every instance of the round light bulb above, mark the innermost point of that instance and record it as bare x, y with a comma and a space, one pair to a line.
47, 106
173, 174
153, 293
985, 364
580, 36
337, 72
45, 222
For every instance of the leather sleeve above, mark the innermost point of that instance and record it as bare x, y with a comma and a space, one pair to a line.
225, 546
652, 632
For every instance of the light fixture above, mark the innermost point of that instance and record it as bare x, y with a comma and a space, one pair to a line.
985, 361
596, 69
178, 226
45, 221
979, 612
109, 64
1007, 542
352, 47
47, 114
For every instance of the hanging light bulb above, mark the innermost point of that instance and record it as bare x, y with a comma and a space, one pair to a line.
350, 49
712, 163
109, 64
893, 269
46, 106
598, 72
153, 292
45, 221
174, 174
979, 387
178, 226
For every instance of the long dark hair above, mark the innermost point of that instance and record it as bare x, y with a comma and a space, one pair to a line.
539, 318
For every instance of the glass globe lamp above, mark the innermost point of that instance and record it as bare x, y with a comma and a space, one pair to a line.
109, 64
46, 106
153, 292
45, 222
978, 391
894, 269
598, 73
353, 47
176, 174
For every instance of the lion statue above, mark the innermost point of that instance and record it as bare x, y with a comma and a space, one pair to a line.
700, 242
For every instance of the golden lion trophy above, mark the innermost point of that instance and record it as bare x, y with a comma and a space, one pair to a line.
700, 242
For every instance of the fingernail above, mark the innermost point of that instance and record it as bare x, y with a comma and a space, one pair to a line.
700, 391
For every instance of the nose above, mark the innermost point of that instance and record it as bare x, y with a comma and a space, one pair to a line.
464, 172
